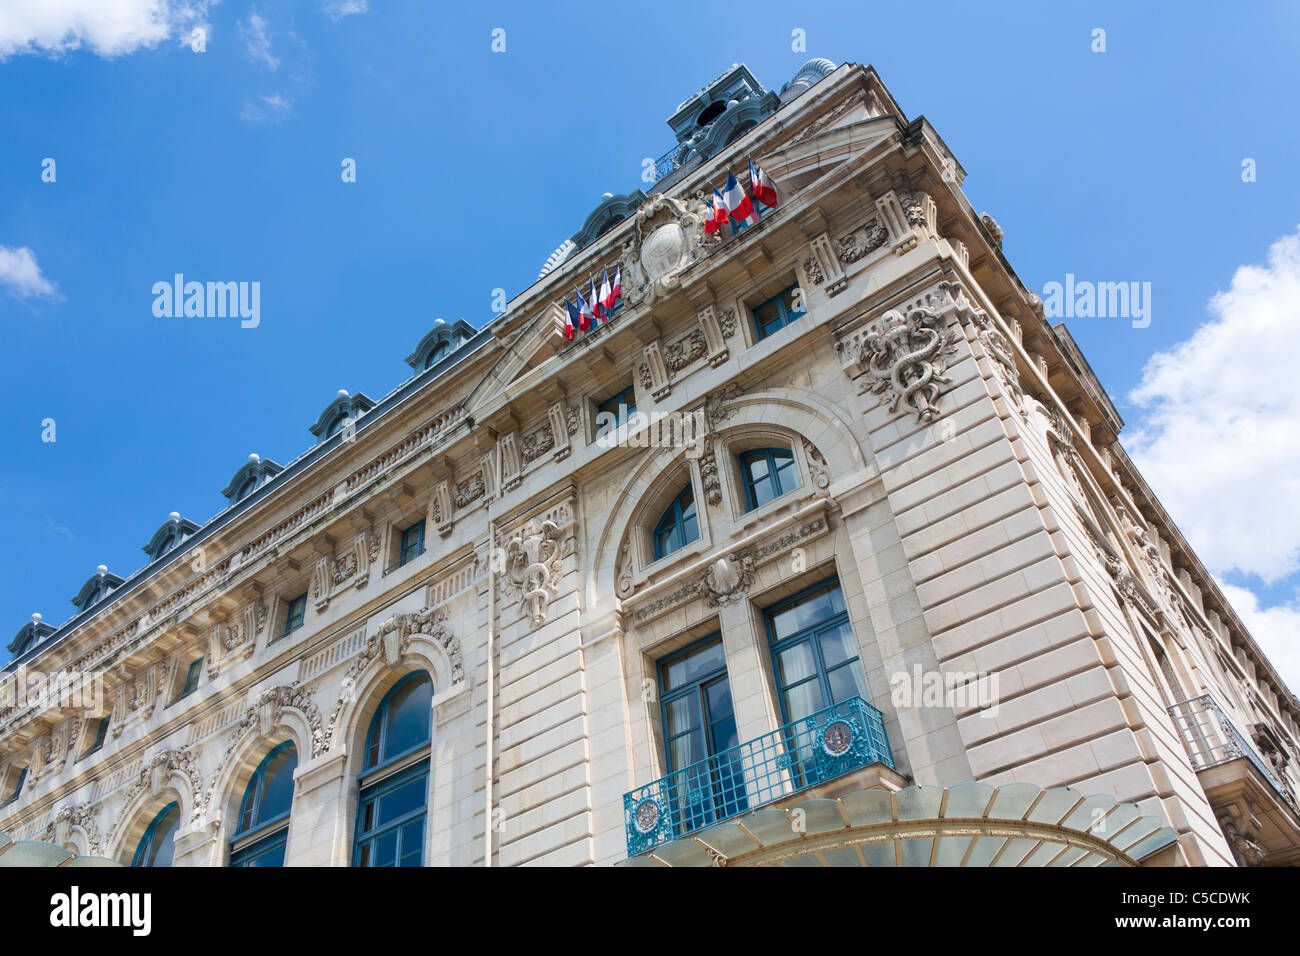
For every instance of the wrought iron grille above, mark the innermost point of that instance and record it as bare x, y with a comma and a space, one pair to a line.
1211, 739
801, 754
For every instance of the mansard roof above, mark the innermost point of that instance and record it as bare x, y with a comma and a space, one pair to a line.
29, 635
97, 587
169, 534
343, 408
252, 475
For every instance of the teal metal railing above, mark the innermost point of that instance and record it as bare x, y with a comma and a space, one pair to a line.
1211, 739
803, 753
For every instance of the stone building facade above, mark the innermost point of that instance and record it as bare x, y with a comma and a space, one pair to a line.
952, 492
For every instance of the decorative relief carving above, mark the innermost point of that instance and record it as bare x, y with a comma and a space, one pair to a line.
83, 816
154, 777
863, 241
689, 348
442, 507
469, 490
817, 469
533, 565
511, 463
906, 357
823, 265
727, 322
322, 581
668, 238
538, 442
709, 473
623, 585
727, 580
659, 382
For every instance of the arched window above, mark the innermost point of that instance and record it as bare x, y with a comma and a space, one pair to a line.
768, 473
158, 845
441, 349
247, 488
395, 777
336, 426
263, 827
679, 526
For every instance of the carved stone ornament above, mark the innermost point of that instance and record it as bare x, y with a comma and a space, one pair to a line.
817, 469
83, 816
623, 584
533, 559
906, 358
668, 238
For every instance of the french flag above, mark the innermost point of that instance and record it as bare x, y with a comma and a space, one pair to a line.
738, 204
585, 315
717, 214
570, 326
596, 308
606, 293
618, 284
762, 187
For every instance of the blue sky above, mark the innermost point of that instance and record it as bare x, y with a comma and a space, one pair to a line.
473, 165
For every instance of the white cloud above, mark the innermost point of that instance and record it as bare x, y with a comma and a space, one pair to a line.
338, 9
1220, 439
21, 275
108, 27
1276, 629
266, 109
257, 41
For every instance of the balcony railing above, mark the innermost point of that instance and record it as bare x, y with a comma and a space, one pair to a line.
1212, 739
802, 754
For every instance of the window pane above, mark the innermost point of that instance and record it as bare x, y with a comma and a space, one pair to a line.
693, 666
277, 784
787, 299
795, 664
838, 645
803, 700
846, 682
812, 610
409, 716
403, 800
686, 750
413, 843
682, 715
768, 317
718, 696
386, 850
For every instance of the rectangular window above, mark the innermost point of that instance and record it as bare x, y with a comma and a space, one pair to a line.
412, 543
620, 406
779, 311
100, 734
294, 617
18, 787
191, 679
814, 652
707, 780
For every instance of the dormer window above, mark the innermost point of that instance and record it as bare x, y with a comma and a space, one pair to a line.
171, 533
343, 409
444, 339
99, 586
436, 355
255, 473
